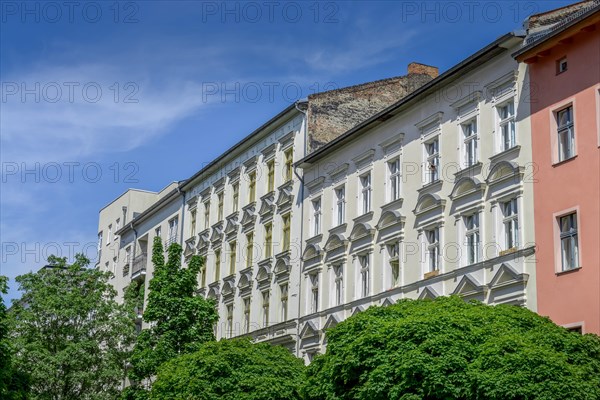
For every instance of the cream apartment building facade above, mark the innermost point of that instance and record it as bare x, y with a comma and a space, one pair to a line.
428, 198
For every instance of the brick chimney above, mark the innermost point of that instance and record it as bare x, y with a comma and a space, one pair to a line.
417, 68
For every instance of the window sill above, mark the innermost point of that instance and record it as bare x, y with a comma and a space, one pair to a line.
431, 274
560, 273
559, 163
506, 154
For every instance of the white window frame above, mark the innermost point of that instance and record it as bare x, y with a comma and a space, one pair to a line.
432, 241
109, 234
283, 301
566, 130
570, 237
266, 298
472, 226
317, 212
247, 309
314, 292
365, 278
510, 223
507, 129
229, 315
394, 179
432, 160
366, 191
393, 250
470, 138
340, 205
338, 285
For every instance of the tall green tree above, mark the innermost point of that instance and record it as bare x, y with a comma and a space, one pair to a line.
180, 321
450, 349
69, 333
231, 370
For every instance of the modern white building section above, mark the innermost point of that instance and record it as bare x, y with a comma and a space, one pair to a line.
431, 197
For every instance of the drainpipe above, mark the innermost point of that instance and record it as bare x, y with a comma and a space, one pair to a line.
301, 179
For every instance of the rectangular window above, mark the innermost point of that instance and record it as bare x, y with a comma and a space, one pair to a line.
270, 176
117, 227
316, 204
220, 206
128, 255
236, 196
289, 164
230, 321
265, 307
433, 161
506, 117
99, 241
470, 142
286, 232
364, 275
569, 242
252, 186
472, 238
232, 257
173, 223
193, 223
206, 214
158, 232
394, 253
340, 195
268, 240
283, 290
394, 179
365, 182
339, 284
109, 236
561, 65
217, 264
247, 315
511, 224
566, 134
314, 288
433, 248
249, 249
203, 276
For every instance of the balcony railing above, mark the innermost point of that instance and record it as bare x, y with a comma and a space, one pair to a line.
170, 240
138, 266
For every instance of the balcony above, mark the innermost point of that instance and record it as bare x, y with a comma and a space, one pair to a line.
172, 239
138, 270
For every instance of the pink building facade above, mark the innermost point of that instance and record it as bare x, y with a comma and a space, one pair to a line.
564, 73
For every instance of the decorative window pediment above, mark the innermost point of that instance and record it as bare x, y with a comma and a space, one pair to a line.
467, 105
245, 281
365, 159
468, 287
286, 197
332, 321
228, 290
465, 186
335, 241
234, 175
213, 291
339, 172
232, 224
506, 276
250, 164
287, 140
311, 251
267, 205
269, 151
219, 184
357, 310
387, 302
430, 125
504, 170
282, 267
361, 230
263, 276
428, 293
315, 185
392, 144
204, 239
205, 193
428, 202
217, 232
309, 330
190, 245
248, 216
503, 87
389, 219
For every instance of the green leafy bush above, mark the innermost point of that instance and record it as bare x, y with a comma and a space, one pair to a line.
231, 370
449, 349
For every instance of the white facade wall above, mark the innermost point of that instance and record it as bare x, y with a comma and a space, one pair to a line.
250, 280
336, 256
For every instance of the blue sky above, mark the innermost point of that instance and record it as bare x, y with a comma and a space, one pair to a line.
101, 96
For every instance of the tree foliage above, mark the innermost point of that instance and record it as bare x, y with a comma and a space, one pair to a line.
70, 335
179, 320
231, 370
449, 349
